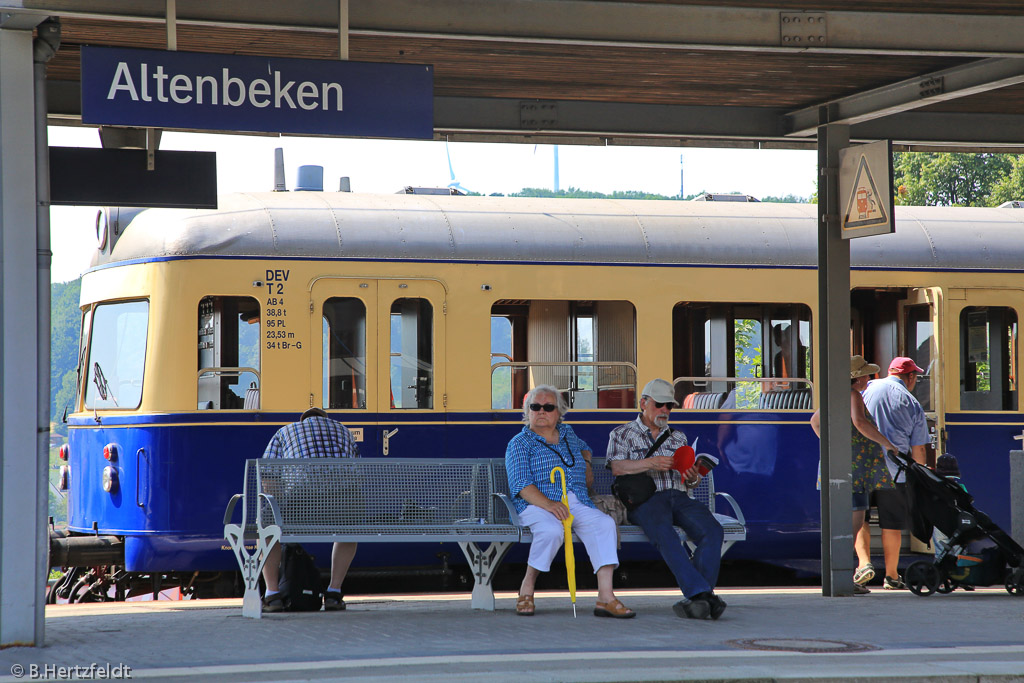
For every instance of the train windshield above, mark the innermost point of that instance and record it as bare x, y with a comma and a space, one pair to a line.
117, 355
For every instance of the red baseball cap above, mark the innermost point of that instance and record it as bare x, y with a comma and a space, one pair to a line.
903, 366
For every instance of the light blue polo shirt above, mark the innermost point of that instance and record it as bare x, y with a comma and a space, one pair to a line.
898, 415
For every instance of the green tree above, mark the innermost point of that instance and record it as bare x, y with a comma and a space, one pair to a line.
1011, 186
947, 179
788, 199
65, 328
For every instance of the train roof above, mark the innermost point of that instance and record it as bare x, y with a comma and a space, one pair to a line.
585, 231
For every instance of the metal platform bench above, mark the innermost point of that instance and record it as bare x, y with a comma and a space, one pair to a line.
734, 526
371, 500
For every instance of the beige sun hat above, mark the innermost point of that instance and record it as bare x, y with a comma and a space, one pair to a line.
860, 367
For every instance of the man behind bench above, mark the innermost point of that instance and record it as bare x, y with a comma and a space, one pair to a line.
315, 435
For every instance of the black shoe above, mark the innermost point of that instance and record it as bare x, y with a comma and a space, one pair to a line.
717, 606
333, 601
692, 609
273, 603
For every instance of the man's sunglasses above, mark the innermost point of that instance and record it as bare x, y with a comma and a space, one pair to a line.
658, 404
546, 407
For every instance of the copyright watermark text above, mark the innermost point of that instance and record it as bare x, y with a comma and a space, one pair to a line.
78, 672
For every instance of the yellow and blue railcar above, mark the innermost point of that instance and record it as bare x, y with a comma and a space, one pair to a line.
420, 321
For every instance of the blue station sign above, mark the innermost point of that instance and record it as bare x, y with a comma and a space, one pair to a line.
195, 90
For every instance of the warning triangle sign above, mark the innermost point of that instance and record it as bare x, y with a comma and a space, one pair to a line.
866, 208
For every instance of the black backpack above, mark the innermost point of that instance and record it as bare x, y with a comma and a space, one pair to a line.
300, 584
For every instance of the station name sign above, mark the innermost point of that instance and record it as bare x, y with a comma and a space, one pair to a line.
201, 91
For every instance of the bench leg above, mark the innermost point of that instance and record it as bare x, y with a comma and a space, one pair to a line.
484, 564
252, 564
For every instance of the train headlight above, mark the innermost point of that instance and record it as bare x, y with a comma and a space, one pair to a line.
64, 452
109, 479
111, 451
62, 483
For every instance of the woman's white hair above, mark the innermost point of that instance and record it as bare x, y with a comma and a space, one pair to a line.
560, 403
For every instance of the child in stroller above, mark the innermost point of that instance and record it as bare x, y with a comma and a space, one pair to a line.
940, 503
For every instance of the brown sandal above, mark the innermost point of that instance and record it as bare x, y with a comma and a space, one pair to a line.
613, 609
524, 605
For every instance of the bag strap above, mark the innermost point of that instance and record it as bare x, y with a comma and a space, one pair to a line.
657, 443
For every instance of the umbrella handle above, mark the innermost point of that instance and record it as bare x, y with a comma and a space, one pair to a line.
561, 473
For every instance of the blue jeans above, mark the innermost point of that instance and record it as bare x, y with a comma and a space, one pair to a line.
659, 513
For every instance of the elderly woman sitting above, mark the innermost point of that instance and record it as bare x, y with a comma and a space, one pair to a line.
546, 443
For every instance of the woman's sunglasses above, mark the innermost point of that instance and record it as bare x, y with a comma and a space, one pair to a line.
546, 407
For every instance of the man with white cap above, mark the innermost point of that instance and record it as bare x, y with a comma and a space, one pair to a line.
646, 446
899, 416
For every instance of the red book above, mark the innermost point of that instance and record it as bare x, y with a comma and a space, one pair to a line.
683, 459
706, 463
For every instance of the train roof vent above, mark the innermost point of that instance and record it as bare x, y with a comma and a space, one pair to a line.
712, 197
1014, 204
310, 179
409, 189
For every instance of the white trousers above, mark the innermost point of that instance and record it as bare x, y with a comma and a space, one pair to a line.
595, 529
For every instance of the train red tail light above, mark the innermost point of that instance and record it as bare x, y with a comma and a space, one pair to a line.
111, 451
64, 452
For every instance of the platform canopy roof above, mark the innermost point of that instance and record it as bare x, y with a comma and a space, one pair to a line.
927, 74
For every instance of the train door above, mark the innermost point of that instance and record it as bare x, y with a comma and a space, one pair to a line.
411, 395
985, 420
345, 318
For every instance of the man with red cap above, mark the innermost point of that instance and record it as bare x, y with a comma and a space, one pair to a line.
901, 419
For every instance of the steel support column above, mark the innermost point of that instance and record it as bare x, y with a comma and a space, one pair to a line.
833, 376
23, 496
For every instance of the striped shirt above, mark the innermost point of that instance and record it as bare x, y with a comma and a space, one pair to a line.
529, 459
314, 437
632, 440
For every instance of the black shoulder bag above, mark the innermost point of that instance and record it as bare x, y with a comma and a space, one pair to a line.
634, 489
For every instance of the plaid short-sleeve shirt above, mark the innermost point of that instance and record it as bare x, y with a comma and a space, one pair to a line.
314, 437
632, 440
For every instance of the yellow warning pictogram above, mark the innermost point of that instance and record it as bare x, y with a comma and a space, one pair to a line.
866, 207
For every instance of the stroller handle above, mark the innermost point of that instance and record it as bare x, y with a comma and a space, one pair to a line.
901, 460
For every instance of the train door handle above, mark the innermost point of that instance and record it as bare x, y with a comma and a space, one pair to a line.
387, 438
140, 455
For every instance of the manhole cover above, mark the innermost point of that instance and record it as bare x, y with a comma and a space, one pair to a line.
808, 645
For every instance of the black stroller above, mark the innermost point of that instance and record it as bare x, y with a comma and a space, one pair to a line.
938, 503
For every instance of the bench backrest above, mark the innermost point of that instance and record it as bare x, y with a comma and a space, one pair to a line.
603, 478
377, 495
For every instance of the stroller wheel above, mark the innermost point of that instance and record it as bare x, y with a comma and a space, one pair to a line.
923, 578
1015, 581
947, 586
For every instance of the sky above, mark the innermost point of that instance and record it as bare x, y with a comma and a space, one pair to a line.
246, 163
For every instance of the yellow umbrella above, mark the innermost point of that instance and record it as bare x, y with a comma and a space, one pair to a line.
570, 561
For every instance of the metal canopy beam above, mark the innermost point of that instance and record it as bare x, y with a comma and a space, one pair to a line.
662, 26
913, 93
603, 123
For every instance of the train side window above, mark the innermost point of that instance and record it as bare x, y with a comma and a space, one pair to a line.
501, 352
117, 355
920, 333
228, 355
742, 356
587, 349
412, 354
344, 353
988, 358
